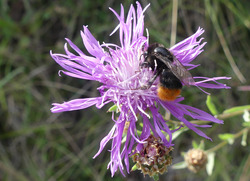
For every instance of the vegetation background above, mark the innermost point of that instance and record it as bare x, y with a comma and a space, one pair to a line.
38, 145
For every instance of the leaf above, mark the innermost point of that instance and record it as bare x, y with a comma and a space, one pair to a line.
236, 109
211, 105
201, 145
178, 133
180, 165
141, 125
210, 163
195, 145
134, 168
113, 108
31, 130
246, 116
228, 137
10, 76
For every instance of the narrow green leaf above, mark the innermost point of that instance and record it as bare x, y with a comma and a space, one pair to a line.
210, 163
134, 168
178, 133
202, 145
195, 145
139, 132
211, 105
180, 165
31, 130
113, 108
228, 137
236, 109
10, 76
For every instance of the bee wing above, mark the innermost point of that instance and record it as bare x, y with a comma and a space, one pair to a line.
181, 72
178, 70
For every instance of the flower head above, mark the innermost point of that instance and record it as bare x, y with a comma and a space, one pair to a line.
153, 158
117, 68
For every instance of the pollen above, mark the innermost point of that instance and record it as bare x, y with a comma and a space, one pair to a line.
167, 94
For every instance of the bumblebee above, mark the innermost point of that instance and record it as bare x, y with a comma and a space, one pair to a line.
172, 74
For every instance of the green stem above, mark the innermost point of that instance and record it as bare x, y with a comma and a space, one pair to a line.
223, 143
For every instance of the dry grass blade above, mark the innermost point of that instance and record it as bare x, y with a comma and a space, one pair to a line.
174, 22
223, 42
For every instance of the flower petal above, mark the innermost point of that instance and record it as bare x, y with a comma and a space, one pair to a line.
180, 110
75, 104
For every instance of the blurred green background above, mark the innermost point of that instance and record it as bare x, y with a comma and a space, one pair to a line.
38, 145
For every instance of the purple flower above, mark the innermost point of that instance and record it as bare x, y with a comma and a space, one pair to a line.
119, 72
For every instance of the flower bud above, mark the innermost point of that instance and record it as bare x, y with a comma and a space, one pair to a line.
196, 159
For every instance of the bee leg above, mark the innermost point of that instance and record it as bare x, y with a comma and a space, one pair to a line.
144, 65
151, 81
144, 55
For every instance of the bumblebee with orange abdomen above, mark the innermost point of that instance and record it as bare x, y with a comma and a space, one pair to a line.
171, 72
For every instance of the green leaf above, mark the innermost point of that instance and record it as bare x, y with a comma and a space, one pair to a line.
31, 130
236, 109
139, 132
134, 168
180, 165
195, 145
10, 76
198, 146
210, 163
178, 133
228, 137
141, 125
211, 105
113, 108
201, 145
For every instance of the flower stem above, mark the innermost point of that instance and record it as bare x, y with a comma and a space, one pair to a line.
229, 115
223, 143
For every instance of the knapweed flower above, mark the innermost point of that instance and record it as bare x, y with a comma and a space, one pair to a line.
118, 70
